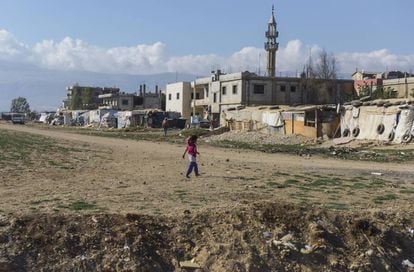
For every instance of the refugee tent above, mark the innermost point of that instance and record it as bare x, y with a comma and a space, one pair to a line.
93, 117
109, 119
124, 119
384, 123
404, 131
45, 116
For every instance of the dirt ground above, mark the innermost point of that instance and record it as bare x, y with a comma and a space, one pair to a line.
101, 179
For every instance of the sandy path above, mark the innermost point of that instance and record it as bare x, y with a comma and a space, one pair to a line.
141, 176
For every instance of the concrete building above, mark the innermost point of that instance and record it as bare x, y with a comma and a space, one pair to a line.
132, 101
404, 87
366, 81
209, 96
178, 98
118, 101
400, 82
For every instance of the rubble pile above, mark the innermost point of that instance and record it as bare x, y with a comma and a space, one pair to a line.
258, 237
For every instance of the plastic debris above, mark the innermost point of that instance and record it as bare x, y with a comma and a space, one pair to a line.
408, 263
307, 250
267, 234
190, 264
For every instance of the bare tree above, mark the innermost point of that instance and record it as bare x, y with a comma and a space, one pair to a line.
326, 66
319, 77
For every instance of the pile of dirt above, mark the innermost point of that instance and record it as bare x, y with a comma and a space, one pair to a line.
258, 237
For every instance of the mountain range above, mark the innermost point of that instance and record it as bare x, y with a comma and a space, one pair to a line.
45, 89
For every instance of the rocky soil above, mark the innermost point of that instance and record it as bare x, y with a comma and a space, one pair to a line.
260, 138
257, 237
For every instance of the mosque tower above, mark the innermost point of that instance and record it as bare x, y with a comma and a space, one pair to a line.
271, 45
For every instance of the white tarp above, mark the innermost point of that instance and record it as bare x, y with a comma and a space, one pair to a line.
273, 119
369, 118
44, 117
405, 124
124, 119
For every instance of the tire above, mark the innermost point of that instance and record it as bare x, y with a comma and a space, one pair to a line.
346, 132
380, 129
355, 132
391, 136
407, 138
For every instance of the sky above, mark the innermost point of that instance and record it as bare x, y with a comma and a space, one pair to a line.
194, 36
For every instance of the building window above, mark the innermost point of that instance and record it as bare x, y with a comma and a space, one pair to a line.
192, 95
214, 97
178, 96
197, 95
169, 96
292, 89
282, 88
124, 102
206, 89
258, 89
223, 90
234, 89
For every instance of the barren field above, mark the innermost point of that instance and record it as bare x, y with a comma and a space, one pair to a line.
54, 183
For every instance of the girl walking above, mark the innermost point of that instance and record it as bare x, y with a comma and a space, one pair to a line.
191, 149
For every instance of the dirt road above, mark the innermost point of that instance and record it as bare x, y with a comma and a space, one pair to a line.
77, 202
148, 177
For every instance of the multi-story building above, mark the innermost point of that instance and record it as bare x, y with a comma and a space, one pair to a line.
210, 95
401, 83
132, 101
366, 81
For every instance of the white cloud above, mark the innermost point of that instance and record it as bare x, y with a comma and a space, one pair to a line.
10, 47
379, 60
75, 54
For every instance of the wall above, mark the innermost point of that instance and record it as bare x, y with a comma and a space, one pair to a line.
295, 124
287, 96
401, 85
152, 102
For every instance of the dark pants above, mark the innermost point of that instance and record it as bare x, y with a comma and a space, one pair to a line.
190, 168
165, 131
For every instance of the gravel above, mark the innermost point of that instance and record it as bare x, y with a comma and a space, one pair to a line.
259, 138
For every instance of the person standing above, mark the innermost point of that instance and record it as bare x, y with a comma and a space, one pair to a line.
165, 126
192, 151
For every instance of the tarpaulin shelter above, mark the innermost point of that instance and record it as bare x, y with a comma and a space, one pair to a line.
311, 121
380, 121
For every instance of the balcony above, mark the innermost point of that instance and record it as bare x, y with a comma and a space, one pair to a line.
271, 46
200, 102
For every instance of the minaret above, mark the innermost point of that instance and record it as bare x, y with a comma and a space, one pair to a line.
271, 45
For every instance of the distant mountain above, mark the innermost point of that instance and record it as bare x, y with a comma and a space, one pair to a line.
45, 89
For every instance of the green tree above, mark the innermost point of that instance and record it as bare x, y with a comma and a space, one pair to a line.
20, 104
384, 93
76, 100
86, 98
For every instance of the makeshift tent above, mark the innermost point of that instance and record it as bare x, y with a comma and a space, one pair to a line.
383, 123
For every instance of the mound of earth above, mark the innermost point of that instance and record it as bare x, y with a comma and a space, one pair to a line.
258, 237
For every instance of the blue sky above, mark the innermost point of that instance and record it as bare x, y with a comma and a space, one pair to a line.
139, 37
